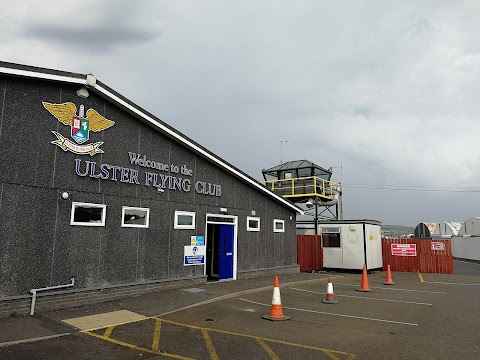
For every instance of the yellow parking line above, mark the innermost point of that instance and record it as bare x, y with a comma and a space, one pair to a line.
329, 352
332, 354
139, 348
335, 357
210, 347
269, 351
156, 334
108, 331
420, 276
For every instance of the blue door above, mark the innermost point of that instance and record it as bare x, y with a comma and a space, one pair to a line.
226, 252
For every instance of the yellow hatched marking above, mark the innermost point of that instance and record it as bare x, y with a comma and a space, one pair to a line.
156, 334
420, 276
329, 352
210, 347
267, 348
335, 357
108, 331
139, 348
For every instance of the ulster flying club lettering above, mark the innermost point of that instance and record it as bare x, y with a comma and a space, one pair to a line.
80, 127
148, 178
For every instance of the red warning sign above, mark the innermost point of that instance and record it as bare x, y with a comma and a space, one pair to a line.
438, 246
404, 249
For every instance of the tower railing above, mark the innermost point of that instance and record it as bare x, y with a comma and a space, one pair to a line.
302, 187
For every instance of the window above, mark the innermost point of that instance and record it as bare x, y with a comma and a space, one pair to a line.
304, 172
287, 175
278, 225
86, 214
135, 217
253, 223
322, 174
184, 220
331, 237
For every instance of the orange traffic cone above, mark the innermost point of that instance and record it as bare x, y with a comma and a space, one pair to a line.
330, 296
364, 285
389, 280
276, 312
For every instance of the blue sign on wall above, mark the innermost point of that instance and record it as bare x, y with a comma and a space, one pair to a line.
194, 260
194, 255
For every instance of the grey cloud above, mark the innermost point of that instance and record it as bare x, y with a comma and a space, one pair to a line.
88, 24
101, 38
376, 84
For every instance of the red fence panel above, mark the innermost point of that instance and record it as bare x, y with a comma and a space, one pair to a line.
309, 253
397, 262
437, 256
430, 258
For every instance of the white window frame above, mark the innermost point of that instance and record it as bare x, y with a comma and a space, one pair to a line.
188, 227
147, 223
78, 204
248, 223
278, 221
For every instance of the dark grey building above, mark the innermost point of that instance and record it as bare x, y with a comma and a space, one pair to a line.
94, 187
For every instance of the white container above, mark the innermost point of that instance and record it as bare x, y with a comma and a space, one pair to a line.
348, 244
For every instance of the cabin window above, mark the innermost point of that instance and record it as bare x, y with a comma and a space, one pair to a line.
86, 214
287, 175
331, 237
135, 217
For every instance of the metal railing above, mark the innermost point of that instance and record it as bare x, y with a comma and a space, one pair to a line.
302, 187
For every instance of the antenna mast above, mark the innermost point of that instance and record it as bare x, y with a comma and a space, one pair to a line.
281, 150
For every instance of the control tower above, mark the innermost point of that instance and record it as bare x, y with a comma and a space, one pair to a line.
303, 182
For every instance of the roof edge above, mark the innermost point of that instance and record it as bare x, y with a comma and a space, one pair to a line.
74, 78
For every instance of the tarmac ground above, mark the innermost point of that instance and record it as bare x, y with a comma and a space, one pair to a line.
422, 316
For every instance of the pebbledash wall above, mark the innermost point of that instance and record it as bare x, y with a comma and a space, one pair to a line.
76, 172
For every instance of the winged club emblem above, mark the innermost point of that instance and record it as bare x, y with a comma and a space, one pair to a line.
80, 127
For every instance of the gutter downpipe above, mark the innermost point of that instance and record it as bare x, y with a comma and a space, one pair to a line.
34, 292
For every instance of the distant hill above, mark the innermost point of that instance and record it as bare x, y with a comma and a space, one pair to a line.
397, 230
396, 227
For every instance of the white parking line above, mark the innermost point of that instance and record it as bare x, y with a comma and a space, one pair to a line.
367, 298
333, 314
391, 288
41, 338
449, 283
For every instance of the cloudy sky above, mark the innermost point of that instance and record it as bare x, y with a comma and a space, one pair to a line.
386, 89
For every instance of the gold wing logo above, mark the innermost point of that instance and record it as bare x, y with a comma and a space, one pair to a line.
80, 127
